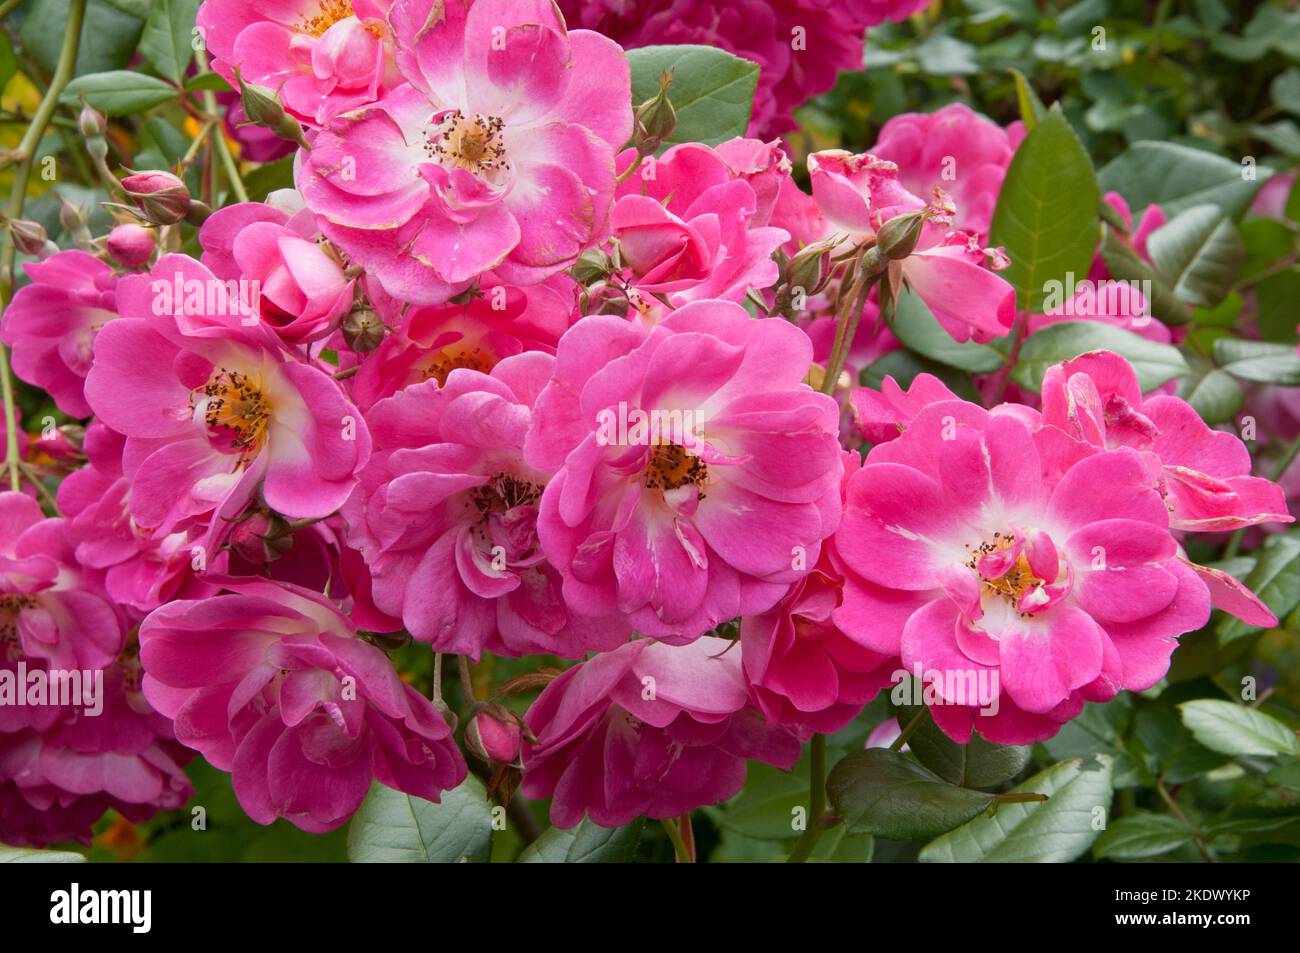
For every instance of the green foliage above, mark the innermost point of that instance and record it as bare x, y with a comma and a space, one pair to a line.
712, 91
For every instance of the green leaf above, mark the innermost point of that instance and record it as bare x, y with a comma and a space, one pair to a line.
1154, 363
120, 92
1124, 264
1100, 729
765, 808
587, 843
1177, 178
916, 326
1277, 296
26, 855
1171, 751
1212, 393
885, 793
1199, 253
1275, 579
712, 91
1263, 362
1046, 216
207, 81
392, 827
1236, 729
167, 35
1031, 107
977, 764
1141, 835
109, 37
8, 62
903, 366
1057, 830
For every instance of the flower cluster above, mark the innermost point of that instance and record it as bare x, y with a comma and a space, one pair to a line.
501, 377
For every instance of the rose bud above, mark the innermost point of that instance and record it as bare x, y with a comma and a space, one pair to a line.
494, 734
131, 245
164, 199
261, 538
30, 238
362, 329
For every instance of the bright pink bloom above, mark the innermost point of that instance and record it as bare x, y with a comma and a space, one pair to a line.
446, 517
212, 405
1205, 473
49, 607
322, 56
1018, 578
691, 231
270, 683
696, 470
429, 343
802, 670
881, 415
858, 194
51, 324
131, 245
300, 290
647, 730
494, 156
139, 570
955, 149
1116, 303
256, 143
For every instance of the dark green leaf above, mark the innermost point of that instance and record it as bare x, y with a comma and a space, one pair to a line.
977, 764
916, 326
1178, 177
167, 36
1141, 835
1057, 830
1154, 363
587, 843
712, 91
885, 793
392, 827
1263, 362
1199, 253
1046, 216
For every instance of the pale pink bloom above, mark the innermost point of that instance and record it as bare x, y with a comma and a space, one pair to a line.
858, 194
291, 282
323, 57
494, 156
271, 683
212, 406
691, 231
1270, 201
648, 730
446, 518
955, 149
717, 500
1019, 578
51, 323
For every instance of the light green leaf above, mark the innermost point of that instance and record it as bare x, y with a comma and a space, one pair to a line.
1057, 830
1177, 177
885, 793
712, 92
392, 827
1154, 363
1046, 216
1141, 835
167, 36
1212, 393
1199, 253
1236, 729
1275, 578
587, 843
916, 326
119, 92
1263, 362
26, 855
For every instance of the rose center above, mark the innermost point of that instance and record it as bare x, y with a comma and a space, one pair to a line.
473, 143
236, 409
503, 493
672, 466
442, 363
330, 13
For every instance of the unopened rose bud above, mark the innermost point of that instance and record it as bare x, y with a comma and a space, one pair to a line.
897, 238
91, 123
31, 239
164, 198
131, 245
604, 299
655, 119
494, 734
261, 538
592, 266
263, 108
811, 267
362, 329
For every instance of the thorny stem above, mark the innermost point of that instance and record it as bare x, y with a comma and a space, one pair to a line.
22, 174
